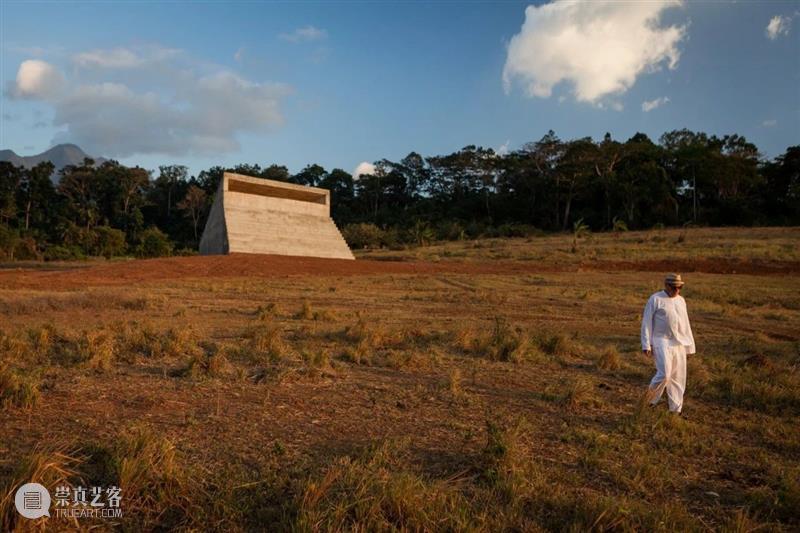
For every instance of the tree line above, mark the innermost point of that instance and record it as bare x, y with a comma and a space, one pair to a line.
548, 185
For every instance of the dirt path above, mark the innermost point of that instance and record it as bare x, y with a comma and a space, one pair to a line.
245, 265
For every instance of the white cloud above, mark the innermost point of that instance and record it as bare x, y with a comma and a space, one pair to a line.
363, 168
125, 58
304, 34
600, 47
649, 105
116, 58
778, 25
769, 123
239, 55
123, 107
37, 79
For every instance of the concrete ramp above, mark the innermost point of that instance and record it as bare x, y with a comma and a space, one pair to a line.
259, 216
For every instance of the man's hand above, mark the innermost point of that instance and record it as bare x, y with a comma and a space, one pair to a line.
647, 353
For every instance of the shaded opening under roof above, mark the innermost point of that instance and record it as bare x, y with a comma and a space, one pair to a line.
271, 191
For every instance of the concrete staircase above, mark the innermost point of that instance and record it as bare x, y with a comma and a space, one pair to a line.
261, 224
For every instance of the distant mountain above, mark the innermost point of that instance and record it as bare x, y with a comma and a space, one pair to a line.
60, 155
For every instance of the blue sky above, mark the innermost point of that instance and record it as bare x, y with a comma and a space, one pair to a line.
213, 83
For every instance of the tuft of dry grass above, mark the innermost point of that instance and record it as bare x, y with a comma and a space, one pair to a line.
455, 383
209, 365
158, 492
265, 344
559, 345
577, 393
379, 492
609, 359
146, 341
13, 348
306, 312
267, 312
48, 467
17, 390
317, 363
501, 343
506, 467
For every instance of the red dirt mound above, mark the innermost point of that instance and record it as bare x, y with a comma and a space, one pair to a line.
246, 265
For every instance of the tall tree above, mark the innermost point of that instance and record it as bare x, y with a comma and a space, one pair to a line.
37, 193
168, 179
78, 185
193, 205
10, 179
310, 176
575, 169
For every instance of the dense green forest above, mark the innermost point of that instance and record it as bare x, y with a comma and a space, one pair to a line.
547, 185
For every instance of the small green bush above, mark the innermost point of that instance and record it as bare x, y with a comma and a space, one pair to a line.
154, 243
110, 242
363, 235
63, 253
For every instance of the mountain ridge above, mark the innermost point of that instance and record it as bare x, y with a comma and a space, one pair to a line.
61, 155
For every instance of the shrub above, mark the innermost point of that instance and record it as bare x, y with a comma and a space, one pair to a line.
63, 253
8, 242
420, 233
25, 250
110, 242
515, 230
154, 243
450, 230
363, 235
619, 225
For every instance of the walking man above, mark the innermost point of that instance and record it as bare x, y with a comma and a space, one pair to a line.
667, 336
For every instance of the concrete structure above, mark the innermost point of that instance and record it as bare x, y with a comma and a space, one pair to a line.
259, 216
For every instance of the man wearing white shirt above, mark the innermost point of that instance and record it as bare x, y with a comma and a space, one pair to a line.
667, 335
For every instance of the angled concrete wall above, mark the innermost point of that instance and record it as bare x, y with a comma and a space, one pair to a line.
258, 216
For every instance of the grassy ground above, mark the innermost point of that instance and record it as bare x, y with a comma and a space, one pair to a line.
414, 402
712, 243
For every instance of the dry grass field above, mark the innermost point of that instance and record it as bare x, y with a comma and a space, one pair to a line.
470, 386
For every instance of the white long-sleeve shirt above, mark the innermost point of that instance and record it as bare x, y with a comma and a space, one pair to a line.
666, 317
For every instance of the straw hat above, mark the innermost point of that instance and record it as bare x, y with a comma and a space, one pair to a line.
674, 280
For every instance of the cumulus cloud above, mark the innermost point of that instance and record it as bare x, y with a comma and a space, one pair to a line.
600, 47
304, 34
124, 105
37, 79
649, 105
363, 169
778, 25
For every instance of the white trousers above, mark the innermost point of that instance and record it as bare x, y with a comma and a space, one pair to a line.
670, 360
